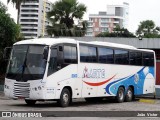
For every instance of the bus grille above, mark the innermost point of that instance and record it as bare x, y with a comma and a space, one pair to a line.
21, 90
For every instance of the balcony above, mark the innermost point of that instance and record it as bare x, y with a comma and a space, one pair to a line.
28, 23
28, 27
30, 18
30, 3
89, 30
116, 22
29, 8
29, 32
104, 25
29, 13
90, 21
29, 37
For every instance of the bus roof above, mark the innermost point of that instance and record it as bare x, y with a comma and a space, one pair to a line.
47, 41
52, 41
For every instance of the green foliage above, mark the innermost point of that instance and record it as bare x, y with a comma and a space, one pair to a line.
62, 16
117, 32
9, 33
148, 29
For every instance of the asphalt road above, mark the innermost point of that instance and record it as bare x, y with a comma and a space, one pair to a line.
7, 104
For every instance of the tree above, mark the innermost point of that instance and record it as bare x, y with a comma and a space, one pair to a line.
117, 32
148, 29
17, 4
62, 16
10, 32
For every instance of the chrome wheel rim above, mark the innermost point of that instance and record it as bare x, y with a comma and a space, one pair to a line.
65, 98
129, 94
121, 95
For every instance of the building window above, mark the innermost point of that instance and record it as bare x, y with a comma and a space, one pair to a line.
89, 34
104, 24
104, 29
104, 19
96, 29
91, 19
90, 24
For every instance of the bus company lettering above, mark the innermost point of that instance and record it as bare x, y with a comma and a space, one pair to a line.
93, 73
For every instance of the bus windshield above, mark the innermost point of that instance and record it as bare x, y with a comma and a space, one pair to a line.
26, 63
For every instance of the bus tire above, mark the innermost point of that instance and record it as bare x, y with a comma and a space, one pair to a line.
65, 98
30, 102
120, 95
129, 95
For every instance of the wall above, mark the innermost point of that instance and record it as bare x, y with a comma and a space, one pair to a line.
152, 43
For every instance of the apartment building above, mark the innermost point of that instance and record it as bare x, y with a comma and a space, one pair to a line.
107, 20
33, 19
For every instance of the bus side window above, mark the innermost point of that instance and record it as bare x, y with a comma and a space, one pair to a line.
135, 58
105, 55
138, 58
148, 59
83, 53
88, 54
121, 57
70, 54
52, 62
92, 54
132, 58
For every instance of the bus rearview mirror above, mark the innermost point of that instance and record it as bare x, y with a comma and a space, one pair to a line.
7, 52
45, 53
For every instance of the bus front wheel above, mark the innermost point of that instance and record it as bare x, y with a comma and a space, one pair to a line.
30, 102
120, 95
65, 98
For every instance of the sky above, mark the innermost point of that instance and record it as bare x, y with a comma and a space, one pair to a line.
139, 10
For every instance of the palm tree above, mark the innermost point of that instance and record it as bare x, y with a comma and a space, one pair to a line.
17, 4
64, 12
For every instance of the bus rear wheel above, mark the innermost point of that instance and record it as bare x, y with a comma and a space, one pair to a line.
120, 95
129, 95
30, 102
65, 98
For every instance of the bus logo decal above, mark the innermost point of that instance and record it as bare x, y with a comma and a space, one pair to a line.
136, 78
93, 73
99, 83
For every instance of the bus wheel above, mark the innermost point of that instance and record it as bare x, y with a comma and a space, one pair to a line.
129, 95
65, 98
30, 102
120, 95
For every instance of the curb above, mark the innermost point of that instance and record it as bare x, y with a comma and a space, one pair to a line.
147, 101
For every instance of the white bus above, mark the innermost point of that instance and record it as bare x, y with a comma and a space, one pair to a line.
62, 69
